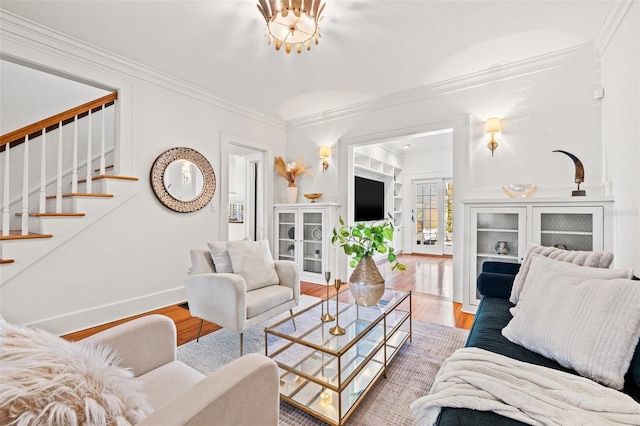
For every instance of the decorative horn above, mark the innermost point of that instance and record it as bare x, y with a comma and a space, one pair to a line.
579, 177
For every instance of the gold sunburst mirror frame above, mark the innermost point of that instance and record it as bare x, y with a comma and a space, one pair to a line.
292, 22
183, 179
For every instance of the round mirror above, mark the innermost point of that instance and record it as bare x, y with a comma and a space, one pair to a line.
183, 180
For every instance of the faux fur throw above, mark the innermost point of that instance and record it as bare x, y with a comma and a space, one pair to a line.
481, 380
46, 380
594, 259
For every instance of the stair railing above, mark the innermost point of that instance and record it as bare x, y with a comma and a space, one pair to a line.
24, 135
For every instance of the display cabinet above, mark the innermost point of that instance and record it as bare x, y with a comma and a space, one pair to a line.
303, 234
501, 230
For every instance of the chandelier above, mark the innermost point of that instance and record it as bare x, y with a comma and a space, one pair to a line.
292, 22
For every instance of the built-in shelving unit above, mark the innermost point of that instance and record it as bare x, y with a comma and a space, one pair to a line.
366, 164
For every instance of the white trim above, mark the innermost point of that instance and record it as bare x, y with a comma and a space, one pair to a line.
577, 54
102, 314
610, 24
31, 34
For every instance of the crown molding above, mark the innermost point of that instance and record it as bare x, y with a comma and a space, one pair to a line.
573, 55
35, 36
610, 23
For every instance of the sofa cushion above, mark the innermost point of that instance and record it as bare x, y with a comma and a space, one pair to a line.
165, 383
46, 377
590, 325
220, 255
265, 298
254, 262
595, 259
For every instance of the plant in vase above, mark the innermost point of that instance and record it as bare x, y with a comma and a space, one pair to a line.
361, 241
290, 172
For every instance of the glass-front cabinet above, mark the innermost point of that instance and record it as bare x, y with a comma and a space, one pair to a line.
303, 235
502, 229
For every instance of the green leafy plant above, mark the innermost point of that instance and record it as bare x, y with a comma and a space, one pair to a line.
362, 240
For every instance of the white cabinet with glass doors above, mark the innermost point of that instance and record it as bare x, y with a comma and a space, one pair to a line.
501, 230
303, 234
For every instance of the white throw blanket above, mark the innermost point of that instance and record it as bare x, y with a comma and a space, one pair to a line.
482, 380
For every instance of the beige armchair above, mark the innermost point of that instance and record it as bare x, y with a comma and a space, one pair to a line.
244, 392
223, 298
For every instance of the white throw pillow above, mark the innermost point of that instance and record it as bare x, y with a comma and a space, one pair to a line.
253, 261
48, 380
590, 325
560, 267
220, 255
595, 259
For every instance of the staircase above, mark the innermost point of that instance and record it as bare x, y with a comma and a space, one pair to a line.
44, 202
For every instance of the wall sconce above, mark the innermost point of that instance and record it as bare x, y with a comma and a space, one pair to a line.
325, 152
493, 126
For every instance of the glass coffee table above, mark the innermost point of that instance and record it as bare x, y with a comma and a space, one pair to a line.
326, 375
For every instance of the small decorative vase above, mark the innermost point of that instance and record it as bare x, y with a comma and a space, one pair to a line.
502, 247
366, 283
292, 193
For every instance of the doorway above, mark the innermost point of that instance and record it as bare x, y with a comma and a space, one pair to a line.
432, 216
246, 193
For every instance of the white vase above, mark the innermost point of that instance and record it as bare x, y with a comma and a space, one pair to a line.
292, 193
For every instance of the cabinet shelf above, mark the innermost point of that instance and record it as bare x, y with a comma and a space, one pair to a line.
498, 256
567, 232
515, 231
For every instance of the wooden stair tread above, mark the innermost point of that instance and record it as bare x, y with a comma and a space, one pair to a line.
109, 177
17, 235
6, 261
110, 166
53, 214
81, 194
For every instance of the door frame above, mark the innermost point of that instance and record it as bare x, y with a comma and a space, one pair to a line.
264, 207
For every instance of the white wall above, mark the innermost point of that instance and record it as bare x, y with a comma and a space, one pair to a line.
621, 135
546, 103
134, 259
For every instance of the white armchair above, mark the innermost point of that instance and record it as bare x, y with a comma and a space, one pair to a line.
244, 392
223, 298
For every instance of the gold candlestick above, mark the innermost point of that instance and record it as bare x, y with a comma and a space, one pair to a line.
327, 317
337, 330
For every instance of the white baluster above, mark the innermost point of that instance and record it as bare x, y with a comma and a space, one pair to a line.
89, 166
42, 199
5, 201
102, 143
25, 188
59, 172
74, 166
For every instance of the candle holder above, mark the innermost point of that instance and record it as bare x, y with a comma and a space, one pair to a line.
327, 317
337, 330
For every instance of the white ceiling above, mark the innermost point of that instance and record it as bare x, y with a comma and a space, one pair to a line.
368, 49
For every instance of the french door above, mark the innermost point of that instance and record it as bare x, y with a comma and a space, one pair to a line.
432, 216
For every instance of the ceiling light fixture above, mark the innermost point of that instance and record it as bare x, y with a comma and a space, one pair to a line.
406, 145
292, 22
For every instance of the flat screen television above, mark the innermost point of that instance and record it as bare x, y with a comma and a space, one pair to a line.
369, 199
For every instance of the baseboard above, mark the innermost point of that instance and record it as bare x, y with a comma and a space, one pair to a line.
103, 314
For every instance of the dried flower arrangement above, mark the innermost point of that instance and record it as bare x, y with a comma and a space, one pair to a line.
291, 171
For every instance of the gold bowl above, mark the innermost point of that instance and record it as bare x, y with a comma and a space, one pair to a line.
313, 197
522, 190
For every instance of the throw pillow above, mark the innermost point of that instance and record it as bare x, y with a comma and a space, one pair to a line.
596, 259
589, 325
220, 255
48, 380
254, 262
563, 267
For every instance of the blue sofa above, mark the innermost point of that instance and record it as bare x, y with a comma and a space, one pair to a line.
494, 284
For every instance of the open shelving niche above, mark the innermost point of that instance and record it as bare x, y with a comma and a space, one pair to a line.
366, 165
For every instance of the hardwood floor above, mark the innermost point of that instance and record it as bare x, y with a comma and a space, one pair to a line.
428, 277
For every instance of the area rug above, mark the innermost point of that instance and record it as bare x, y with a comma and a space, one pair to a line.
409, 377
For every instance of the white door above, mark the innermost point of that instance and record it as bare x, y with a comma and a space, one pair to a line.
432, 216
